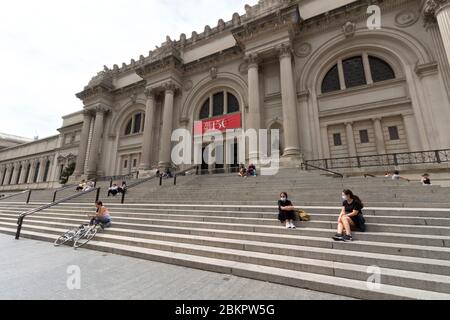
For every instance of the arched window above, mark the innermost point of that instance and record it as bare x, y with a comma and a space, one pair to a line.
135, 124
222, 103
331, 81
381, 71
354, 73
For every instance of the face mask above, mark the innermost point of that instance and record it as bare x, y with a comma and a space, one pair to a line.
283, 199
344, 198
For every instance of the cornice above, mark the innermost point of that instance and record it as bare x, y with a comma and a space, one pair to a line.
285, 18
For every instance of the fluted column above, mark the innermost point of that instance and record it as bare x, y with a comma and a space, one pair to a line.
412, 135
15, 174
289, 102
2, 174
9, 168
439, 52
96, 138
379, 136
42, 165
81, 158
33, 169
254, 104
23, 172
167, 127
441, 10
148, 130
351, 140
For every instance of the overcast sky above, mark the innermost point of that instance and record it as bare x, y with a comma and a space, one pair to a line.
50, 49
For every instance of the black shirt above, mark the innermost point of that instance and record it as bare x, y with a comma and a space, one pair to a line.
287, 203
350, 207
426, 181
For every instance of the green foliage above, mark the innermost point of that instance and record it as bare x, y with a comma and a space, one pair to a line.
67, 172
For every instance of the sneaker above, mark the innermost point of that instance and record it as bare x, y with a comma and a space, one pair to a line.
348, 238
288, 226
338, 237
293, 226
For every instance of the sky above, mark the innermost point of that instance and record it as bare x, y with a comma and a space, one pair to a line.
50, 49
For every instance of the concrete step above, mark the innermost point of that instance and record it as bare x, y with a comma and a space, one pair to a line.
313, 281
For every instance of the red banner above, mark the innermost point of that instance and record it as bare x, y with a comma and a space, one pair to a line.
221, 124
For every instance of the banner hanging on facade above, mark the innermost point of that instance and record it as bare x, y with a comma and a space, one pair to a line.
222, 124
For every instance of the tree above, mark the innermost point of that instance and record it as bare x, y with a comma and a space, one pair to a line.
67, 172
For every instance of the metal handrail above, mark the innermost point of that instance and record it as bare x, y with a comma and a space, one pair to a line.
385, 160
14, 195
322, 169
183, 173
25, 214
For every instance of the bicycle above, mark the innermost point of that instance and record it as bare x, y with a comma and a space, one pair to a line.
79, 236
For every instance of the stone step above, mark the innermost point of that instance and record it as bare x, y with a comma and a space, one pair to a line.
313, 281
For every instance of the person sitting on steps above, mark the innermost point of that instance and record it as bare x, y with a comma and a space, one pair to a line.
114, 190
251, 172
102, 216
286, 211
123, 188
351, 217
426, 181
242, 171
81, 186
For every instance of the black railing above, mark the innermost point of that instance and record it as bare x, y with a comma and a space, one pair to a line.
307, 166
23, 215
218, 170
385, 160
16, 194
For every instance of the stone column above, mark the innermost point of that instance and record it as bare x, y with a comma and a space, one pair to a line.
148, 130
9, 168
2, 174
165, 153
32, 171
351, 140
289, 102
15, 174
412, 135
439, 52
81, 158
96, 138
440, 9
42, 165
23, 173
325, 142
254, 104
379, 136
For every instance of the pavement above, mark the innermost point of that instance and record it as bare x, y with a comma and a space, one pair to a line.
34, 270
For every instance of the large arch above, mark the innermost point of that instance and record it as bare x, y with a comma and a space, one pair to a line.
401, 50
394, 46
119, 119
224, 81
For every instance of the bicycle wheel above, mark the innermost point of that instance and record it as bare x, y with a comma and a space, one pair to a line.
86, 237
66, 237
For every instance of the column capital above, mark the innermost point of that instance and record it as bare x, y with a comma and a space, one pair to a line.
252, 60
348, 123
170, 87
17, 165
150, 93
284, 51
376, 119
432, 7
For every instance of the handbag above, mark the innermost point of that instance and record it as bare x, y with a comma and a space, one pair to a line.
303, 216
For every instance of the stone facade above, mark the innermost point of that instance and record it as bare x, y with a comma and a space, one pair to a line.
313, 69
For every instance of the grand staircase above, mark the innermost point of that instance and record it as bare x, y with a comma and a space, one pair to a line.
226, 224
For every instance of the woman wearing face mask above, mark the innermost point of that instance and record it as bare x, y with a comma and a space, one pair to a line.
351, 216
286, 211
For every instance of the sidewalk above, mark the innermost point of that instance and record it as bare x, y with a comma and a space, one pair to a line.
36, 270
